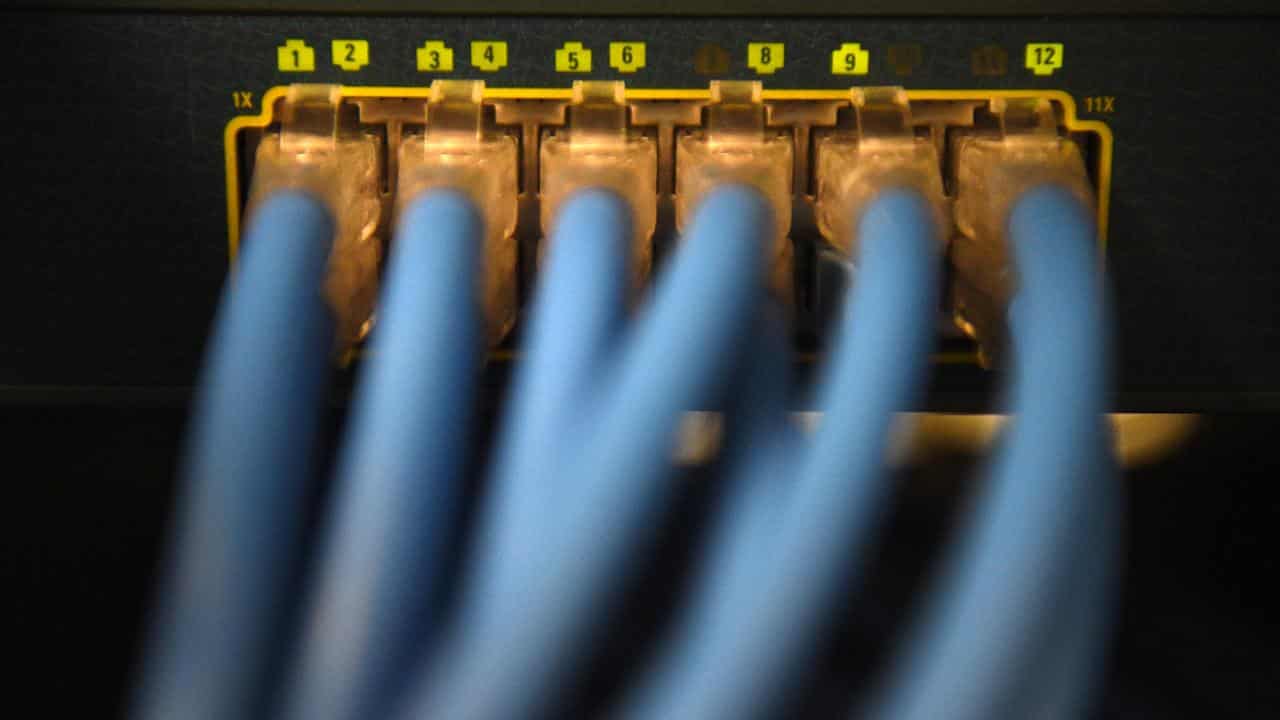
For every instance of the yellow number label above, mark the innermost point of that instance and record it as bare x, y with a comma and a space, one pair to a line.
573, 58
765, 58
488, 55
435, 56
626, 57
1044, 58
850, 59
350, 55
295, 56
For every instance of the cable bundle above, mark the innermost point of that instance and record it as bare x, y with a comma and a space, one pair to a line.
580, 478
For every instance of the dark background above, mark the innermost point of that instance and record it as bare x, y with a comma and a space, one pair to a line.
88, 495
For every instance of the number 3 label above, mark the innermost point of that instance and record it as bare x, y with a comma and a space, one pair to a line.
435, 56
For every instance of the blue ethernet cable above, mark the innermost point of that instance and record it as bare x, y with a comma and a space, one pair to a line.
1044, 527
578, 314
374, 602
735, 655
246, 471
581, 478
613, 479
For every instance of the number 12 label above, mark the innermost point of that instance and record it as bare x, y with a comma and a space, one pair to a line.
1044, 58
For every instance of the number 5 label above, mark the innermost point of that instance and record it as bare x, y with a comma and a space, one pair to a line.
626, 57
488, 55
573, 58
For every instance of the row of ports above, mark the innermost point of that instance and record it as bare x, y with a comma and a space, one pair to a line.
818, 163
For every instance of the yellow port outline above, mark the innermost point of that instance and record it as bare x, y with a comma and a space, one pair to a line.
266, 116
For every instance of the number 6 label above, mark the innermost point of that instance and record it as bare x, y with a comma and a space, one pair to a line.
626, 57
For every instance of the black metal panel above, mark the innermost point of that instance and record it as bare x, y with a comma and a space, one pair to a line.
113, 147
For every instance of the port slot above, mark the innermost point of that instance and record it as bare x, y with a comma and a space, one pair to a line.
658, 121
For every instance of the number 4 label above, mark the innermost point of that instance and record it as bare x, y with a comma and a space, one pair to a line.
488, 55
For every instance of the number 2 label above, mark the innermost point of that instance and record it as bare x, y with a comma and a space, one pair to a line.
350, 55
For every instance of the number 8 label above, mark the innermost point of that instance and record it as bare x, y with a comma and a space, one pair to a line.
765, 58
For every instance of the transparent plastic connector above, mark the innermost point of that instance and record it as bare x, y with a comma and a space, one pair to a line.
855, 164
597, 149
737, 147
321, 151
458, 151
992, 171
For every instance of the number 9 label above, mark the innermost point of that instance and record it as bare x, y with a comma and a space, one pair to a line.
850, 59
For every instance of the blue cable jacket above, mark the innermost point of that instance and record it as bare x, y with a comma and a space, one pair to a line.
741, 658
248, 463
578, 312
399, 475
979, 650
614, 484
